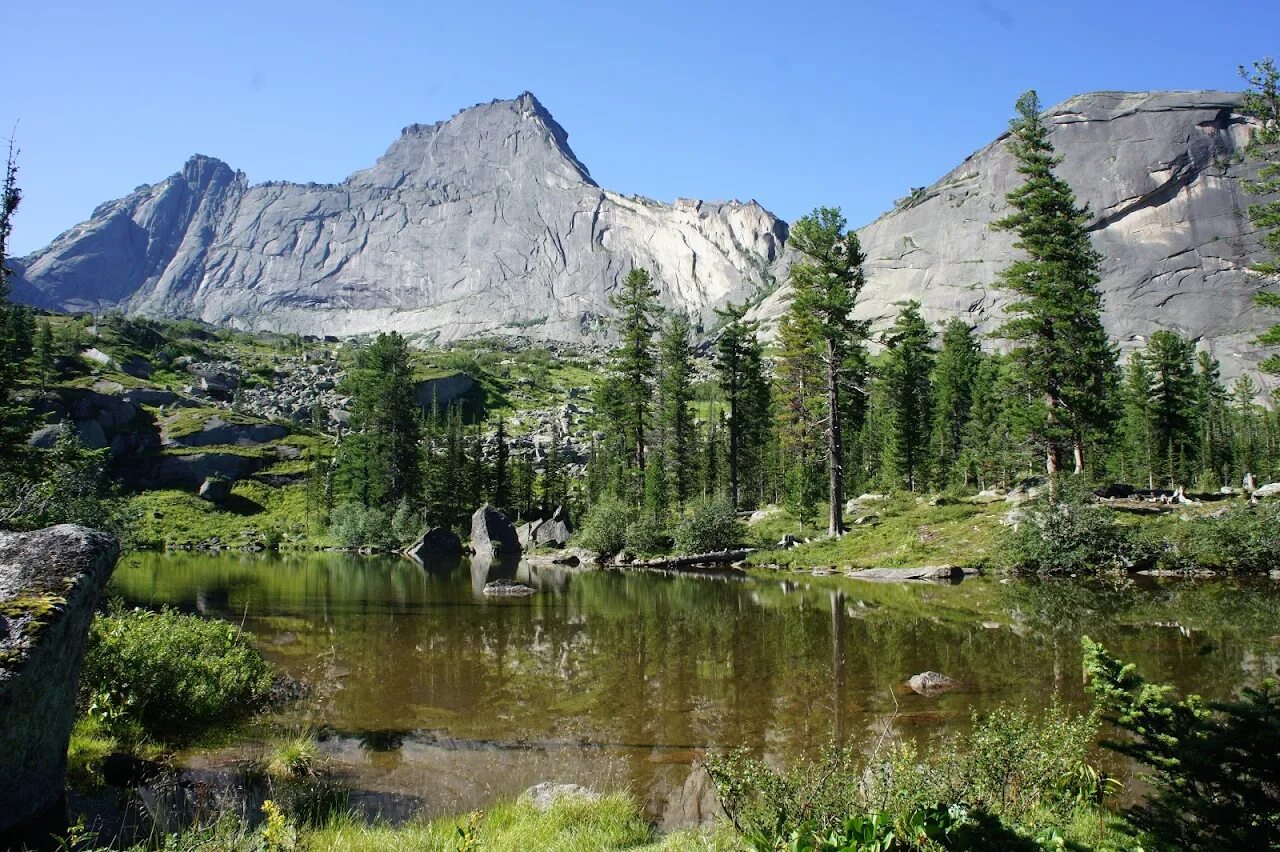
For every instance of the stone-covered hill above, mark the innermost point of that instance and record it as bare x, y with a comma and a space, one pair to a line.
1160, 173
488, 223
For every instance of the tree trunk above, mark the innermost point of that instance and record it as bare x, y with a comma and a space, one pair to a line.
835, 524
1078, 451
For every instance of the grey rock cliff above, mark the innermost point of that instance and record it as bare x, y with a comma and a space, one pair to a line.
49, 585
1161, 174
486, 222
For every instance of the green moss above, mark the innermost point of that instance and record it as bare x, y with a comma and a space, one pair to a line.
37, 606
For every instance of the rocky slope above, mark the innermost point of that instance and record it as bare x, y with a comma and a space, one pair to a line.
1160, 173
486, 222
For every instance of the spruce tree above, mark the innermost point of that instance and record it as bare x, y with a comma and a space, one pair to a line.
501, 472
378, 461
637, 311
675, 416
909, 395
1170, 361
1138, 454
1262, 102
1211, 404
1055, 320
740, 371
800, 410
43, 352
954, 374
825, 285
15, 340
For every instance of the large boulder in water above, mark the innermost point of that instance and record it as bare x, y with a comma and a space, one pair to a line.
49, 585
435, 543
492, 534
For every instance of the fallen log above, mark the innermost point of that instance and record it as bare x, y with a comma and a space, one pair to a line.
927, 572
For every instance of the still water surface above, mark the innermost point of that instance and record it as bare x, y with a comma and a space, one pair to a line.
427, 693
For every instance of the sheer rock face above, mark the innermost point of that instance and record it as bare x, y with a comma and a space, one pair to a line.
1160, 173
49, 585
486, 222
489, 223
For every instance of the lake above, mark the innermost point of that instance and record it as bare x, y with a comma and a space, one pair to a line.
431, 696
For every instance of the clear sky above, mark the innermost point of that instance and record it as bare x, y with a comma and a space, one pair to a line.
793, 104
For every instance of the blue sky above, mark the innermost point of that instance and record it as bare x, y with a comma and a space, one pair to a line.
795, 105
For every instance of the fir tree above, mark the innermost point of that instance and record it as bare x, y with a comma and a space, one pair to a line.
637, 310
378, 461
825, 287
15, 340
1211, 405
1056, 318
740, 370
1262, 102
1138, 440
954, 374
43, 352
909, 396
501, 472
675, 417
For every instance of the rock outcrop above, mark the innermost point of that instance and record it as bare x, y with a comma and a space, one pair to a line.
493, 535
49, 585
483, 223
1160, 172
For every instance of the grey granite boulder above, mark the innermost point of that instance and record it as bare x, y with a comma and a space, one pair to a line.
492, 534
433, 543
49, 585
543, 796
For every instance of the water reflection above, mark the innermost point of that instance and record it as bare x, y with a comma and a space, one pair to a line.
425, 687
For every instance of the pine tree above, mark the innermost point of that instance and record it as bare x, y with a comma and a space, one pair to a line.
1211, 404
1138, 454
553, 484
378, 461
739, 368
1247, 426
825, 287
15, 340
637, 310
909, 395
954, 374
1170, 361
1056, 319
800, 410
501, 472
675, 417
1262, 102
44, 354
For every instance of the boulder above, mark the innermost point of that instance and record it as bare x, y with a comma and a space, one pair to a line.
433, 543
507, 589
215, 489
493, 534
45, 437
154, 397
216, 431
543, 796
50, 582
555, 531
189, 471
926, 572
137, 366
930, 683
1271, 489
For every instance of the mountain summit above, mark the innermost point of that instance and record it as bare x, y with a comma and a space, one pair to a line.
489, 223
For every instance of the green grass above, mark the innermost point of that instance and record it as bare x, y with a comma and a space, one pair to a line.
90, 744
570, 825
907, 534
180, 517
293, 757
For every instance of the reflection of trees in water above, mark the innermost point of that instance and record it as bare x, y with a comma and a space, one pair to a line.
668, 665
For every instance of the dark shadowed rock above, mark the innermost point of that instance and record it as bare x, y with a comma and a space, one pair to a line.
434, 543
191, 470
492, 534
555, 531
507, 589
215, 489
49, 585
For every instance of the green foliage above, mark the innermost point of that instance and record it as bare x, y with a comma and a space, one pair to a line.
674, 419
1016, 778
646, 536
710, 525
954, 376
637, 310
1055, 321
740, 371
67, 485
604, 528
354, 525
1243, 540
1066, 532
1212, 764
170, 675
909, 399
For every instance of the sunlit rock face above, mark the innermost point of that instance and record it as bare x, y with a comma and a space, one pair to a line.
483, 223
489, 223
1161, 175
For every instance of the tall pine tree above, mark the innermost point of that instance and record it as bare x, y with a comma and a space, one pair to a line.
1055, 319
1262, 102
637, 311
740, 370
909, 395
675, 416
954, 374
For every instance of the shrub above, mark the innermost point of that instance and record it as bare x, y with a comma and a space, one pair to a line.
1214, 771
710, 525
406, 523
170, 674
604, 528
1014, 777
1066, 532
1246, 539
354, 525
646, 536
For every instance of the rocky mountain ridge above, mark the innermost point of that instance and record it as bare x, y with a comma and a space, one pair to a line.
488, 223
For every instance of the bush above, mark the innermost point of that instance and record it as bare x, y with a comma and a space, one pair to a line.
354, 525
1067, 533
1013, 778
646, 536
710, 525
1246, 539
1214, 771
604, 528
166, 674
